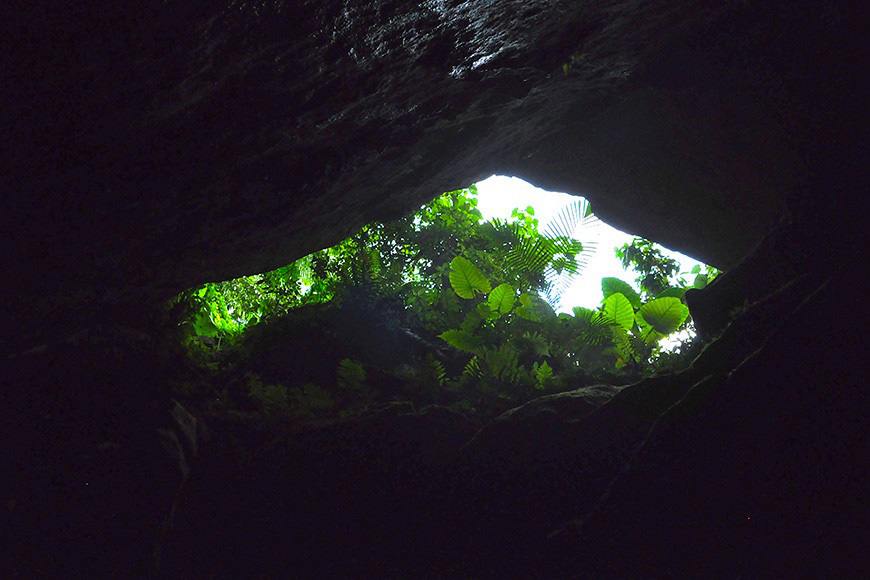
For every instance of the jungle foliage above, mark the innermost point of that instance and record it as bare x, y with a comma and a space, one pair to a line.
472, 300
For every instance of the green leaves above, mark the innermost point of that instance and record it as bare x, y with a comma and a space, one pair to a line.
392, 280
534, 308
535, 343
618, 309
665, 315
203, 325
351, 374
673, 292
621, 346
610, 286
502, 298
466, 279
542, 373
487, 313
526, 310
464, 341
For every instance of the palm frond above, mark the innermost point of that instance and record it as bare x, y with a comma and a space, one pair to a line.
574, 221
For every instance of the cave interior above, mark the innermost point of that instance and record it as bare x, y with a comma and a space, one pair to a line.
152, 148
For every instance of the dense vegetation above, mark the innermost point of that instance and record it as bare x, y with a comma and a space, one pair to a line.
439, 306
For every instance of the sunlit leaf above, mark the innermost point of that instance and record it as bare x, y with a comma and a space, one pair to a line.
203, 325
466, 279
543, 373
502, 298
648, 334
610, 286
617, 308
665, 315
673, 292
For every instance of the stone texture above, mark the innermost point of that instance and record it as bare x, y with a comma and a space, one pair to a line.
755, 474
150, 147
155, 147
362, 495
95, 456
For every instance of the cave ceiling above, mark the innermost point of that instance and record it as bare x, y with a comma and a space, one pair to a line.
156, 146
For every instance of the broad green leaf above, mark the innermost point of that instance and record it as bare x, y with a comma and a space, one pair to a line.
502, 298
649, 335
463, 341
673, 292
700, 281
618, 309
466, 279
610, 286
203, 325
665, 315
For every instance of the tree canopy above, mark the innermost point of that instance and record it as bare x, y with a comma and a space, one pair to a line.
479, 294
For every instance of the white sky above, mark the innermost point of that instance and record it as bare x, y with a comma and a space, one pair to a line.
499, 195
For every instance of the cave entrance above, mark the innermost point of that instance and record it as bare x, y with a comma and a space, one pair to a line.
481, 300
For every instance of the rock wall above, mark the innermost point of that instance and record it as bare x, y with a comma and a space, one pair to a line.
150, 147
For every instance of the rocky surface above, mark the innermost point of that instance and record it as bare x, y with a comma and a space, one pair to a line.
95, 455
756, 473
364, 495
152, 148
148, 148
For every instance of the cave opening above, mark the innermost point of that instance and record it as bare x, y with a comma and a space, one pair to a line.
479, 301
353, 430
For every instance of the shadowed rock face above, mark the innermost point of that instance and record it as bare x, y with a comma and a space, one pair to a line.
150, 148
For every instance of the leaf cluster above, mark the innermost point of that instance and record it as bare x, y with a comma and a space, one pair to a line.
477, 296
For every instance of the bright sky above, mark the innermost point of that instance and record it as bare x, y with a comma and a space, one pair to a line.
499, 195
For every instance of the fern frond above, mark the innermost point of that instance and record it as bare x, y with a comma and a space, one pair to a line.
593, 328
502, 363
622, 345
535, 343
472, 368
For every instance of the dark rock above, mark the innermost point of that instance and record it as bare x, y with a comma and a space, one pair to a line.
755, 474
362, 493
149, 147
519, 475
95, 457
154, 148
